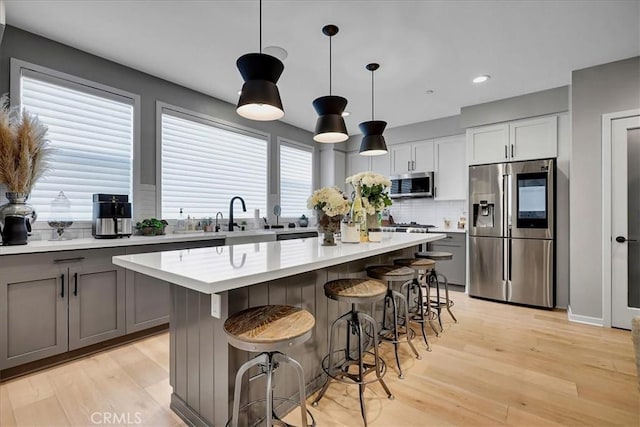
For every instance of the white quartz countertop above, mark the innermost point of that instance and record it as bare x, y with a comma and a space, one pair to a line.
217, 269
37, 246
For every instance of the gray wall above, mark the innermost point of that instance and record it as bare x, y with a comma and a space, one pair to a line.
530, 105
595, 91
41, 51
438, 128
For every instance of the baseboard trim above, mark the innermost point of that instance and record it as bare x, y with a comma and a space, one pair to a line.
587, 320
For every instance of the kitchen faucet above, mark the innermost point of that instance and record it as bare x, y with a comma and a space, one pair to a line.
244, 209
221, 217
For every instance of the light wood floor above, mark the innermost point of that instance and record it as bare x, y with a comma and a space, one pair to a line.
499, 365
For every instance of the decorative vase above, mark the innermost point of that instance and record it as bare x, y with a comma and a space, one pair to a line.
9, 218
358, 214
374, 220
328, 225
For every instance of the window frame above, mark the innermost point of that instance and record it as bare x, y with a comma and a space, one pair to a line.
207, 120
314, 165
94, 88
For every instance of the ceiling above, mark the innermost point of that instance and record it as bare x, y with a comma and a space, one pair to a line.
525, 46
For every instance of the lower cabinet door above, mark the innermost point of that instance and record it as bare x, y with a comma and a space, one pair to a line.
148, 302
148, 298
96, 301
33, 310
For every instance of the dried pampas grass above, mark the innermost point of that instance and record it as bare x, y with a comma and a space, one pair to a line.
24, 149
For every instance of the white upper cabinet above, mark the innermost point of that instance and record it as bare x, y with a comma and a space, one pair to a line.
513, 141
423, 158
488, 144
451, 169
412, 157
401, 157
357, 163
380, 164
534, 138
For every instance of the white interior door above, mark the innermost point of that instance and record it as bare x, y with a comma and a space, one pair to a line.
625, 221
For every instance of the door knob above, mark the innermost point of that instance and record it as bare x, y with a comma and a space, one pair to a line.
622, 239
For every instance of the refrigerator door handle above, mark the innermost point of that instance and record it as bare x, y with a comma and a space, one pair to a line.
505, 272
509, 205
509, 253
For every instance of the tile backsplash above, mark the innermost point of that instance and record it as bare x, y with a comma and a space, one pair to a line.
428, 211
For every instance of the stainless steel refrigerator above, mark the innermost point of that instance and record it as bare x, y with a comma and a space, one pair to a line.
511, 232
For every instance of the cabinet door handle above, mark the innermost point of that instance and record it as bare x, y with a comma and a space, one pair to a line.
506, 155
62, 286
75, 284
408, 165
413, 165
512, 150
63, 260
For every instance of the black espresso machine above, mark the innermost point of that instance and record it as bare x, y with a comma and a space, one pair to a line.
111, 216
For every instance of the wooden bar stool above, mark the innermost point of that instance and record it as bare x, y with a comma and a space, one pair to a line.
268, 329
419, 305
391, 329
354, 291
433, 279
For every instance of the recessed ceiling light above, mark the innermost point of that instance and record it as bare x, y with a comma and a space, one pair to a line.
429, 92
481, 79
276, 51
345, 113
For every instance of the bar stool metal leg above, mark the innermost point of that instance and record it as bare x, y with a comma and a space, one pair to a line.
447, 300
258, 360
301, 388
391, 299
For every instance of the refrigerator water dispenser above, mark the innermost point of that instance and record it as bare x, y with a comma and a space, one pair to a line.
483, 214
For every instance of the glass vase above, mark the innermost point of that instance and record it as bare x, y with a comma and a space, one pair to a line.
328, 226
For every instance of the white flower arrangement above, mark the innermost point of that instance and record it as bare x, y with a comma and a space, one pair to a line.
330, 200
373, 187
369, 179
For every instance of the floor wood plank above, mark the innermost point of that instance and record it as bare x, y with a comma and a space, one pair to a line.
500, 365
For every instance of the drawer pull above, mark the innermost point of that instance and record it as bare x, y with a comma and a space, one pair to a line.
63, 260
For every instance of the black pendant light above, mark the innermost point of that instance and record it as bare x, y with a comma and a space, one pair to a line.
260, 98
330, 126
373, 143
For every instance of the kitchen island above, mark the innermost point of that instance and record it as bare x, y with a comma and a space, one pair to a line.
208, 284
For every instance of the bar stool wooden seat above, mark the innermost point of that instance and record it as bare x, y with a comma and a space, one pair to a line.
354, 291
419, 304
268, 329
391, 328
434, 279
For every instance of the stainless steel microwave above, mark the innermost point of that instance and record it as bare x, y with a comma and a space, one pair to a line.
416, 184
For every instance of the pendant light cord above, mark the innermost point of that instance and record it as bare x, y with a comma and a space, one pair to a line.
372, 95
260, 26
330, 65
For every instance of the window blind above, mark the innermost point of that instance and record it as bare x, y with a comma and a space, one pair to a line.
296, 179
204, 165
92, 138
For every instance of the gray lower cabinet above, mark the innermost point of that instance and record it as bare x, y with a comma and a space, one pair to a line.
456, 269
96, 299
55, 302
148, 299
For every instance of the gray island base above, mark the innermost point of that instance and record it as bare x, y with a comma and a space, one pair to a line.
202, 364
